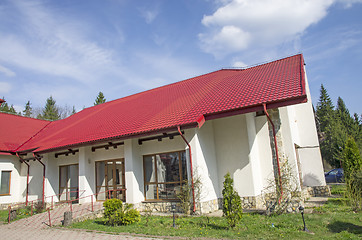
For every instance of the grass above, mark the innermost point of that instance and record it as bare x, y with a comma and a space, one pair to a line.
335, 220
4, 216
338, 189
21, 213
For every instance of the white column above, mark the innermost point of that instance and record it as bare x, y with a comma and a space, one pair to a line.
86, 175
133, 164
51, 176
204, 162
254, 158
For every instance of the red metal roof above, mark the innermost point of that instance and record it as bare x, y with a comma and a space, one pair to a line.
217, 94
16, 130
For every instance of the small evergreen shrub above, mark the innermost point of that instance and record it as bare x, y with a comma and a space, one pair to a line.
352, 167
232, 209
117, 213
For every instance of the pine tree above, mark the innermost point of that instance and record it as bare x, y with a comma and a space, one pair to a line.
347, 121
4, 107
100, 99
333, 133
325, 108
50, 111
28, 110
73, 111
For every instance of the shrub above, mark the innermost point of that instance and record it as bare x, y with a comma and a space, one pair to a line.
232, 209
277, 203
352, 166
117, 213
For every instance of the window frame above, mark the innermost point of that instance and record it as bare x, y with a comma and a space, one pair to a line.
157, 183
9, 188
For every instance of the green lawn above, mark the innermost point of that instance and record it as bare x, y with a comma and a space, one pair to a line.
335, 220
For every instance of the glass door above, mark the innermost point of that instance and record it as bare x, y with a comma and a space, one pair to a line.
110, 179
68, 182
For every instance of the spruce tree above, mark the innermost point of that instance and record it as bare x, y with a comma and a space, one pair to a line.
345, 117
50, 111
73, 111
28, 110
4, 107
100, 99
333, 133
325, 108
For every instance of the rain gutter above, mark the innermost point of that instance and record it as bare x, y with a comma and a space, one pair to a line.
191, 171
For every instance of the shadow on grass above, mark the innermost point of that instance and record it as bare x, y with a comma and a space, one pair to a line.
338, 226
100, 222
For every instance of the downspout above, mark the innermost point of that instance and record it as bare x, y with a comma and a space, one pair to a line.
27, 179
37, 158
276, 151
191, 171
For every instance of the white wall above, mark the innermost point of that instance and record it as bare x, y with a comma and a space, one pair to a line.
265, 152
232, 151
204, 161
304, 133
11, 163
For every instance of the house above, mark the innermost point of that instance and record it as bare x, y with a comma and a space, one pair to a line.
142, 147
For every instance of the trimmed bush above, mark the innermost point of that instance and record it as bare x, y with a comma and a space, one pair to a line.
232, 209
117, 213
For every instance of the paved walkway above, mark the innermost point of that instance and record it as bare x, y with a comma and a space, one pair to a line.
37, 226
16, 232
57, 215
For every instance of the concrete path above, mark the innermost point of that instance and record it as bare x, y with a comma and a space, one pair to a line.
37, 226
15, 232
57, 215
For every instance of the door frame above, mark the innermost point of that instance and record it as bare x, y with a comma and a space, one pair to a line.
114, 179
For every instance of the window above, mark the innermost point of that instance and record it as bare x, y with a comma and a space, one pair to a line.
110, 179
163, 175
68, 182
5, 182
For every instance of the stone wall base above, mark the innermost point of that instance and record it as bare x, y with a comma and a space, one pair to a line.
319, 191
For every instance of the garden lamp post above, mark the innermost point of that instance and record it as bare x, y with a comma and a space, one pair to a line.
173, 210
301, 209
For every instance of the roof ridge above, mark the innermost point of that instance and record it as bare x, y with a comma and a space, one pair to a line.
149, 90
32, 136
262, 63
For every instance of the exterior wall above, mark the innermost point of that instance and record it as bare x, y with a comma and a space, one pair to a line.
265, 152
205, 162
304, 134
134, 161
11, 163
232, 152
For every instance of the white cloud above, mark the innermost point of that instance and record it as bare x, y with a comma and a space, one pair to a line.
53, 44
241, 24
349, 3
149, 15
7, 71
5, 87
239, 64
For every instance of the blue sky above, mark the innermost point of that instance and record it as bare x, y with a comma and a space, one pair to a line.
74, 49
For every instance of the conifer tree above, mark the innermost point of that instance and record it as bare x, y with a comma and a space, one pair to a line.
347, 121
100, 99
325, 108
333, 133
28, 110
50, 111
4, 107
73, 111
